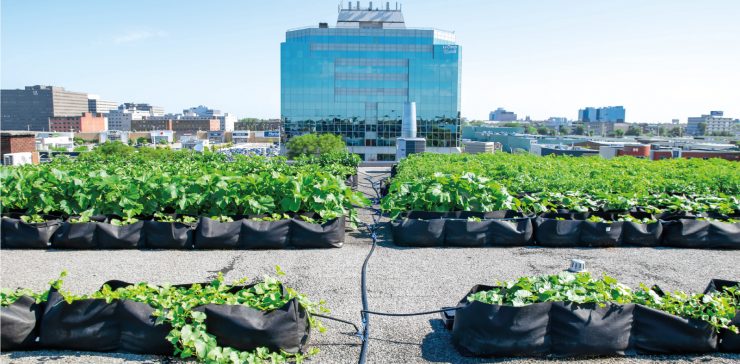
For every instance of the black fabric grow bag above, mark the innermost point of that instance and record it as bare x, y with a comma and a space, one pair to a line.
265, 234
729, 341
168, 235
327, 235
641, 234
81, 235
465, 233
557, 233
482, 329
130, 236
138, 331
246, 328
658, 332
515, 232
590, 330
86, 325
600, 234
17, 234
212, 234
420, 233
19, 324
689, 233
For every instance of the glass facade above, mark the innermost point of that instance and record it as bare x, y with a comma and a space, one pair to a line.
354, 82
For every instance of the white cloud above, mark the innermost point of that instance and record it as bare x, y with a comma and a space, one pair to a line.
139, 35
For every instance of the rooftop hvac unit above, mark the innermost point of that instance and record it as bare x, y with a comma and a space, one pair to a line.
17, 159
408, 146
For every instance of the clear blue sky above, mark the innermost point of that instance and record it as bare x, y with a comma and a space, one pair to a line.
661, 59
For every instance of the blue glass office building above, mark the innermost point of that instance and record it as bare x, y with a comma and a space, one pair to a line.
353, 79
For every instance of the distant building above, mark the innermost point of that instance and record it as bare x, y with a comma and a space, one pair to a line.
353, 80
96, 105
85, 123
226, 120
608, 114
114, 136
501, 115
121, 118
31, 108
556, 122
714, 123
184, 125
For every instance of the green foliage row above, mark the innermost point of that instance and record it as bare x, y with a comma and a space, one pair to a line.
175, 306
131, 185
444, 182
716, 308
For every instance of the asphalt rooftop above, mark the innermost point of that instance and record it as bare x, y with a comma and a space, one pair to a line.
398, 279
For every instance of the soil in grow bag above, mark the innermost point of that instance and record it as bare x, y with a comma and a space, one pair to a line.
557, 233
641, 234
601, 234
418, 233
130, 236
466, 233
265, 234
729, 341
482, 329
81, 235
565, 214
590, 330
658, 332
515, 232
326, 235
689, 233
17, 234
247, 328
85, 325
212, 234
19, 324
168, 235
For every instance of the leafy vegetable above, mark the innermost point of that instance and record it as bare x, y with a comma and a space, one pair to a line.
718, 308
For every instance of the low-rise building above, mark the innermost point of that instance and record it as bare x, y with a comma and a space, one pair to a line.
472, 147
85, 123
18, 147
501, 115
183, 125
114, 136
713, 123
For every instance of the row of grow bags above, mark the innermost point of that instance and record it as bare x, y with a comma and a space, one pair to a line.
149, 234
129, 326
428, 230
570, 329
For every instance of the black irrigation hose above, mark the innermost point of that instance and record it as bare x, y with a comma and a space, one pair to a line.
411, 313
365, 335
357, 329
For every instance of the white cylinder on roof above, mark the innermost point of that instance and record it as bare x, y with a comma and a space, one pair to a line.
408, 123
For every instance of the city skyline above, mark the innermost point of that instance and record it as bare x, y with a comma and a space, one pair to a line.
656, 59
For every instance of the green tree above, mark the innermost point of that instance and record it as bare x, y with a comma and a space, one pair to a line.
141, 140
619, 133
511, 125
675, 132
563, 130
78, 141
633, 130
579, 130
315, 144
529, 129
662, 131
702, 128
543, 130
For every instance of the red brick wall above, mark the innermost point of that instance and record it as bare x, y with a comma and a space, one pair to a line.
642, 151
86, 123
17, 144
730, 156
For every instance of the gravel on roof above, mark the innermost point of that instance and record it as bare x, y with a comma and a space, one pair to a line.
399, 280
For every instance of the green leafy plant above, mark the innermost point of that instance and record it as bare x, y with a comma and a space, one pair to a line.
718, 308
189, 335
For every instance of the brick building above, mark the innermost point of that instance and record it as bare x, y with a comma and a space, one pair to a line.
85, 123
18, 142
177, 125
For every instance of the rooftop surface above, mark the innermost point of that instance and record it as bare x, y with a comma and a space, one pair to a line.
399, 280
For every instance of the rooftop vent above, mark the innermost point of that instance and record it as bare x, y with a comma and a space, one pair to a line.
323, 25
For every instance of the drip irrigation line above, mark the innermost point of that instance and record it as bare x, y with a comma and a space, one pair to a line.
411, 313
357, 329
